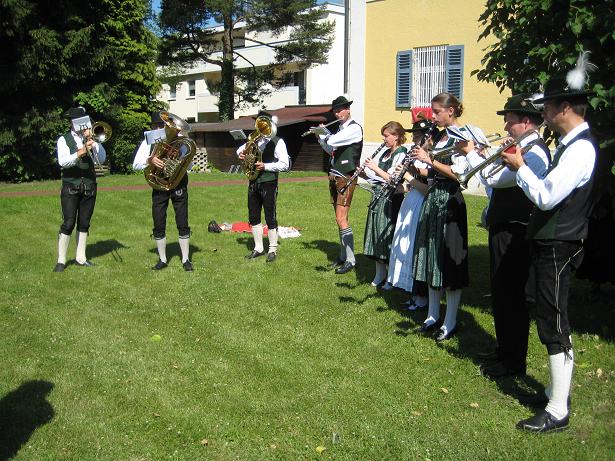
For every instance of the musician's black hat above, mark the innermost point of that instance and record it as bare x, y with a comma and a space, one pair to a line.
420, 125
156, 118
573, 86
520, 104
75, 112
340, 102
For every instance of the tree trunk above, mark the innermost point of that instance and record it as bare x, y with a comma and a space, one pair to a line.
226, 103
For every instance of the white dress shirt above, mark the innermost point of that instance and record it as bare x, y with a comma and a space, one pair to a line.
66, 159
143, 153
574, 169
348, 133
373, 178
280, 153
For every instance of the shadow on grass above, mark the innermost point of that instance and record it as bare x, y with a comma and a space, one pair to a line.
103, 247
22, 411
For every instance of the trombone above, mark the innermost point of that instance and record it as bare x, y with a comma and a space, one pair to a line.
464, 178
440, 154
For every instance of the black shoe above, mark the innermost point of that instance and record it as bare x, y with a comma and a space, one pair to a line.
487, 355
346, 267
86, 263
538, 400
426, 329
271, 257
336, 263
188, 266
500, 370
255, 254
59, 267
159, 265
445, 335
543, 422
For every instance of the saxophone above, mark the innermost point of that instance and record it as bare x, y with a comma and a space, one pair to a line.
175, 151
263, 128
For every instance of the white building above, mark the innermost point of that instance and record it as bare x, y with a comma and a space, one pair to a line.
320, 84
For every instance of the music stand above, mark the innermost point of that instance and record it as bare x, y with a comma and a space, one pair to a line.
238, 135
155, 136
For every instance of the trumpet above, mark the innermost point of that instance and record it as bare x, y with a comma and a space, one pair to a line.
308, 132
361, 169
440, 154
464, 178
99, 132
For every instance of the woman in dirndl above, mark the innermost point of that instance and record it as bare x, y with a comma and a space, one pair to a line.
441, 246
382, 213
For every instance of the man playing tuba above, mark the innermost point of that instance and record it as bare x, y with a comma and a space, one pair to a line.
160, 203
263, 190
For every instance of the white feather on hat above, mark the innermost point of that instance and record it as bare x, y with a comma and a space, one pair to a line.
577, 77
275, 119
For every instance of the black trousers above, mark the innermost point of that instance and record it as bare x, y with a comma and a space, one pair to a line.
77, 207
263, 195
554, 261
160, 203
509, 258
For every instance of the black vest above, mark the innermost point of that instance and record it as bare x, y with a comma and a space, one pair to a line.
568, 220
510, 204
269, 157
346, 159
83, 169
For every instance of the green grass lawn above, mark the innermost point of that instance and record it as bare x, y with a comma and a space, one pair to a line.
247, 360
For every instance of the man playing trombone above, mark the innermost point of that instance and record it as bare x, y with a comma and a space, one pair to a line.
76, 152
345, 148
507, 218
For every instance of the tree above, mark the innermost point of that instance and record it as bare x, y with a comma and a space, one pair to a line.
538, 38
187, 38
57, 54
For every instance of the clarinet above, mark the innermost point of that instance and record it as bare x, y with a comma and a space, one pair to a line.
395, 178
360, 169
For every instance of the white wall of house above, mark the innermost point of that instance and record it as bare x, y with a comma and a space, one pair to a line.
323, 83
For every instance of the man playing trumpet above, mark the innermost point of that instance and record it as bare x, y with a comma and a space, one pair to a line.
507, 218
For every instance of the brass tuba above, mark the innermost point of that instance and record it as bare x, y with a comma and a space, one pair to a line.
175, 151
263, 128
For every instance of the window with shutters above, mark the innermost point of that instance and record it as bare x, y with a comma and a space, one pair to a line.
424, 72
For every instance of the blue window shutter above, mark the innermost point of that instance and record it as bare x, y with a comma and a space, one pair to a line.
454, 70
403, 95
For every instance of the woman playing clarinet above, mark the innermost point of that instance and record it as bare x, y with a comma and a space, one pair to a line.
382, 214
441, 246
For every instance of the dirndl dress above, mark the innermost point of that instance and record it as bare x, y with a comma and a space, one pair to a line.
382, 215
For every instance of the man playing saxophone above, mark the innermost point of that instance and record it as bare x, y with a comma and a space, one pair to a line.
160, 202
507, 218
263, 190
78, 195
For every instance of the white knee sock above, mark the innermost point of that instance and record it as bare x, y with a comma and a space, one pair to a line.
184, 246
161, 244
257, 233
348, 244
560, 368
452, 306
82, 240
381, 272
63, 241
433, 312
273, 240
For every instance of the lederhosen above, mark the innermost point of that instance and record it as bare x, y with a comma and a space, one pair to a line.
263, 191
509, 256
78, 195
441, 244
160, 203
345, 160
557, 250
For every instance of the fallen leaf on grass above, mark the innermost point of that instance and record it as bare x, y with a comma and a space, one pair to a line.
599, 372
416, 413
320, 449
273, 446
474, 405
156, 338
444, 389
205, 442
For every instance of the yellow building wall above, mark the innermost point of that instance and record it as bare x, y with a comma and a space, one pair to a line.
397, 25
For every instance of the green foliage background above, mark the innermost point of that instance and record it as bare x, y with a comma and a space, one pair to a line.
58, 54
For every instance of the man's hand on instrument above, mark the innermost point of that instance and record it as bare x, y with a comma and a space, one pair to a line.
513, 160
242, 155
465, 147
156, 162
260, 166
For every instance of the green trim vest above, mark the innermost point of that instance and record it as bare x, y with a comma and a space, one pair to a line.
510, 204
269, 157
83, 169
568, 220
346, 159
